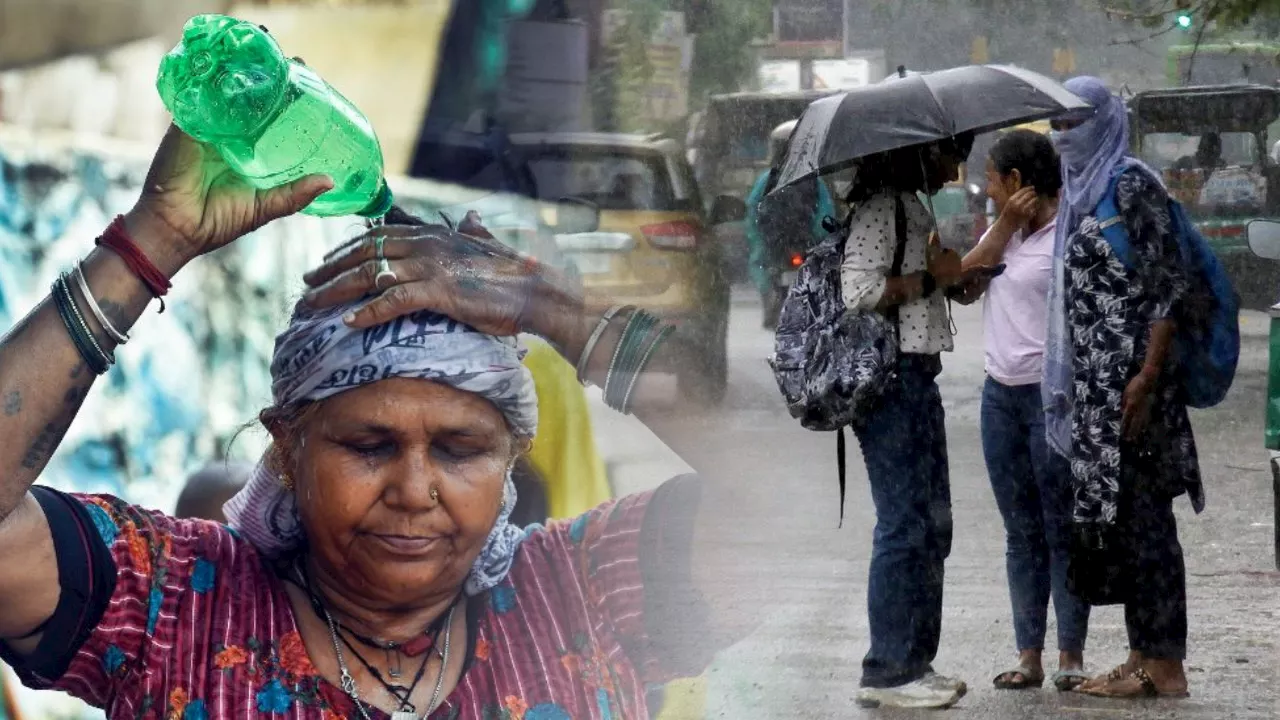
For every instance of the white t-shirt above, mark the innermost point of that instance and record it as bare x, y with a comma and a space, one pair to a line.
1015, 312
868, 259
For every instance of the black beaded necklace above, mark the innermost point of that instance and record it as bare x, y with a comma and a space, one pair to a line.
421, 645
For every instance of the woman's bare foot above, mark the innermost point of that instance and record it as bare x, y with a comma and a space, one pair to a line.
1070, 660
1032, 661
1169, 676
1070, 674
1153, 677
1133, 662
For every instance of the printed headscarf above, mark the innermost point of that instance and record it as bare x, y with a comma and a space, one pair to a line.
319, 356
1093, 154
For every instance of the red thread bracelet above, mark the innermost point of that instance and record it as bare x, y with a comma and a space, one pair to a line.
116, 238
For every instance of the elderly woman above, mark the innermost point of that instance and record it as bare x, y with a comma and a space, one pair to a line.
370, 571
1114, 407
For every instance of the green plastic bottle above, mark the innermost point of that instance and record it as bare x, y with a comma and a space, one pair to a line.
273, 119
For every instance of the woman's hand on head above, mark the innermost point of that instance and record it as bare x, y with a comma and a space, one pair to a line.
196, 203
472, 279
1021, 207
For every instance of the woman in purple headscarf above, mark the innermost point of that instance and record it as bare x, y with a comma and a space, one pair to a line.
1112, 406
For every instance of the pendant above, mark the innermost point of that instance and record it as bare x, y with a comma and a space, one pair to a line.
403, 715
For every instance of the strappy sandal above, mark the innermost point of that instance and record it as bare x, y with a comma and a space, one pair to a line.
1068, 680
1098, 681
1030, 679
1146, 687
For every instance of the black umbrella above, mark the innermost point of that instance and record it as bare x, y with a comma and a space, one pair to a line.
916, 108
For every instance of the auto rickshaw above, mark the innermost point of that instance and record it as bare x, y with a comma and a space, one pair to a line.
1264, 242
1211, 145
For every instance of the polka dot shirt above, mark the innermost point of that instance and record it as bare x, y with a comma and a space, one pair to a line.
868, 260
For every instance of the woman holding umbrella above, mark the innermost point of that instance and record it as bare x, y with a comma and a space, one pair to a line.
890, 263
909, 135
1112, 405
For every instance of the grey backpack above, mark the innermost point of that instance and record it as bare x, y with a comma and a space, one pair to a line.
833, 364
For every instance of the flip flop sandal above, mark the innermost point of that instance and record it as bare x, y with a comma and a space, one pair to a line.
1068, 680
1030, 679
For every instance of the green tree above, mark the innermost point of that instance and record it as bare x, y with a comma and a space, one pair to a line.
1198, 16
723, 58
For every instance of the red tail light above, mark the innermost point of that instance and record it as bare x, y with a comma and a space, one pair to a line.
678, 235
797, 261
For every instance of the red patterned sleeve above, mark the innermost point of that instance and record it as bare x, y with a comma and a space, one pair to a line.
633, 558
121, 568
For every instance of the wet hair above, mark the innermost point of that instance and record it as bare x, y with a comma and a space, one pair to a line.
1033, 156
903, 169
397, 216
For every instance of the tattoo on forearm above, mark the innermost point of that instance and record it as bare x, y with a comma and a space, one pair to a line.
12, 403
47, 441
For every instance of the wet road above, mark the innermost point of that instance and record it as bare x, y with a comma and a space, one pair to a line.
804, 663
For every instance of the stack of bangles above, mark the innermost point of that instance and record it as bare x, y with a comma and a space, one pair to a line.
98, 355
641, 337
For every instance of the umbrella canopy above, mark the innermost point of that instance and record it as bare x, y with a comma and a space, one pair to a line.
898, 112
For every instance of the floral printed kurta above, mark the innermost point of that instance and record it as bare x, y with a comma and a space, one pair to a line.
199, 626
1110, 309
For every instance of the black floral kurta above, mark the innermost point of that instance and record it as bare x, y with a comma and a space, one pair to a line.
1110, 309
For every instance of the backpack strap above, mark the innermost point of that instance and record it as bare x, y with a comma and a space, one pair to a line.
900, 247
1111, 224
841, 470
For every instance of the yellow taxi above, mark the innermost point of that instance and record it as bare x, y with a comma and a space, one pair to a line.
653, 247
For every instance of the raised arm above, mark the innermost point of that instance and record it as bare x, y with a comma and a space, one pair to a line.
1017, 212
191, 204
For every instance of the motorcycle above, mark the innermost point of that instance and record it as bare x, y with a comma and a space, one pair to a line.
783, 268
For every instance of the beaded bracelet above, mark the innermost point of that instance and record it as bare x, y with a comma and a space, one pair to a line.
107, 359
90, 351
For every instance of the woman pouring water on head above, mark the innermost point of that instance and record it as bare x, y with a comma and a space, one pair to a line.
371, 570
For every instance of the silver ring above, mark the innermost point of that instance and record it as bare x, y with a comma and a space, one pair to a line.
386, 277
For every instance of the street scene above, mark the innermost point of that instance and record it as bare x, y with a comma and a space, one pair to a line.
802, 665
628, 359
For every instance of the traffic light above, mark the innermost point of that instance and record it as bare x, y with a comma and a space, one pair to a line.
1184, 20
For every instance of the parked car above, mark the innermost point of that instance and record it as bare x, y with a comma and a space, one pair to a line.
654, 246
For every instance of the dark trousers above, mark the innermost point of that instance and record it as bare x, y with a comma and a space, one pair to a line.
1032, 487
904, 444
1156, 614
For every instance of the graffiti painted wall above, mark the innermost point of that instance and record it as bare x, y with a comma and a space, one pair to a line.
193, 377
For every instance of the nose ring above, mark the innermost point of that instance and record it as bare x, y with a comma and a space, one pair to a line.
435, 494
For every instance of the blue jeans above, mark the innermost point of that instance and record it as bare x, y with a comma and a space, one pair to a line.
1032, 486
904, 444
